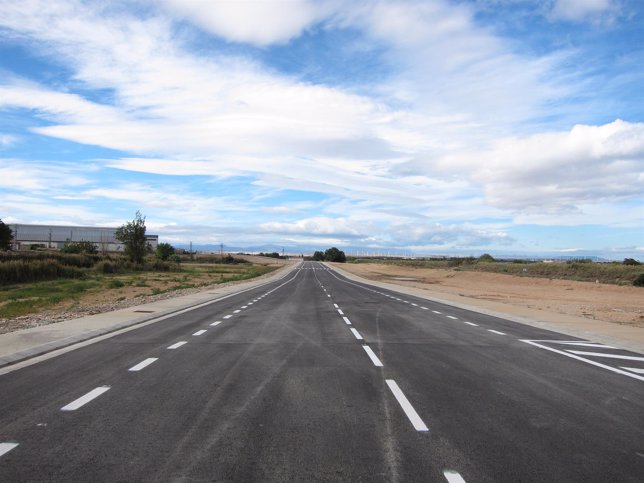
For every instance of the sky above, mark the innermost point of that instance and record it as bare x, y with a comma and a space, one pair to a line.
429, 126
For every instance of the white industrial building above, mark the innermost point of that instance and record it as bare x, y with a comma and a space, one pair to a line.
55, 236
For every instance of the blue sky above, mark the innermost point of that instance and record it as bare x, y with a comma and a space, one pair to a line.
433, 126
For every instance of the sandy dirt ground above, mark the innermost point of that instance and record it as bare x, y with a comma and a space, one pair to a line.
522, 296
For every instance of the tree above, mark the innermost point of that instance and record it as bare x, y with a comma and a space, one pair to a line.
335, 255
164, 251
6, 235
486, 257
132, 235
630, 261
318, 256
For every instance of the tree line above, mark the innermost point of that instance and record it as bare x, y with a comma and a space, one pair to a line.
330, 255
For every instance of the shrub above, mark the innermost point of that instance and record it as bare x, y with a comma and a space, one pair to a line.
115, 283
630, 261
20, 271
105, 267
639, 280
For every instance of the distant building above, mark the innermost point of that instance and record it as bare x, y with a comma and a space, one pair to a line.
55, 236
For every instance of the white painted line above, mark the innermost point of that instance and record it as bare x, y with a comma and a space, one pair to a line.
143, 364
340, 312
451, 317
81, 401
496, 332
328, 295
610, 356
472, 324
636, 370
588, 344
356, 334
406, 406
216, 323
236, 311
424, 308
415, 305
588, 361
336, 306
453, 477
406, 301
178, 344
436, 312
348, 322
227, 316
199, 332
244, 306
6, 447
372, 356
251, 303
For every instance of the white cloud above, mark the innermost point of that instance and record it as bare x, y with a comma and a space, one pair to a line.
259, 22
581, 10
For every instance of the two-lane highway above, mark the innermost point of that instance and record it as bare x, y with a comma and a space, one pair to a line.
319, 378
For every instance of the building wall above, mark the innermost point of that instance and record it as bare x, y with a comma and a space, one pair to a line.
55, 236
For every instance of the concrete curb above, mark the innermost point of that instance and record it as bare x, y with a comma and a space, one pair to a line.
55, 344
621, 343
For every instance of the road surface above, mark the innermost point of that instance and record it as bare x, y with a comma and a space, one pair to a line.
319, 378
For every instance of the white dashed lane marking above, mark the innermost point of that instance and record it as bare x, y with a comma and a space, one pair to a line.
143, 364
451, 317
453, 477
436, 312
406, 406
346, 320
227, 316
356, 334
496, 332
472, 324
372, 356
199, 332
178, 344
81, 401
216, 323
236, 311
6, 447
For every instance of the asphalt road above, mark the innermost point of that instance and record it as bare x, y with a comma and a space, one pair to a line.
318, 378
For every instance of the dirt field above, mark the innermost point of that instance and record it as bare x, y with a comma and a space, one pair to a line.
521, 296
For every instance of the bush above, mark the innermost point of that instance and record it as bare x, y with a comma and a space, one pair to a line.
105, 267
630, 261
20, 271
639, 280
115, 283
79, 247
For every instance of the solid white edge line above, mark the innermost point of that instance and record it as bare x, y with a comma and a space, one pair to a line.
372, 356
406, 406
178, 344
81, 401
609, 356
588, 361
636, 370
199, 332
496, 332
346, 320
143, 364
356, 334
216, 323
589, 344
453, 477
6, 447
